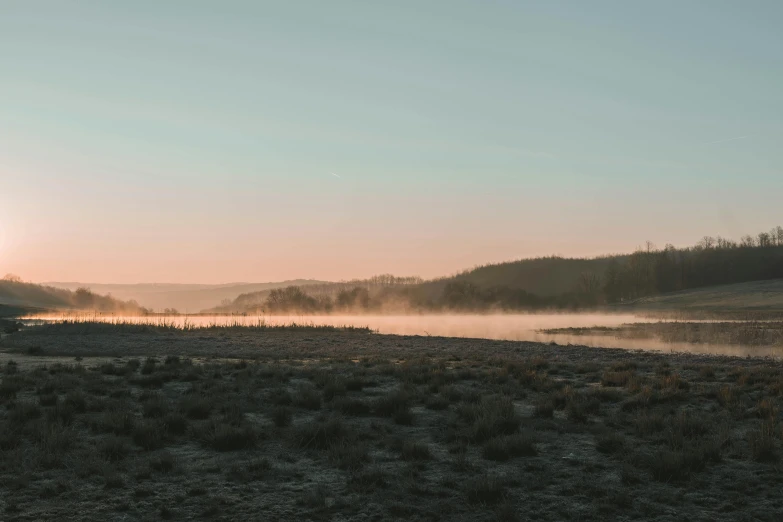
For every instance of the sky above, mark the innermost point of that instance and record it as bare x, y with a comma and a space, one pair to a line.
206, 141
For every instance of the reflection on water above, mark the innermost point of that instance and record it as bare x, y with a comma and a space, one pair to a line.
512, 327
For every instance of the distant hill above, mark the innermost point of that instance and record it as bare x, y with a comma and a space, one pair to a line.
542, 276
541, 283
182, 297
16, 296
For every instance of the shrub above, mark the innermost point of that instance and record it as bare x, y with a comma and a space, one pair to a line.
686, 425
766, 409
485, 489
307, 398
544, 408
392, 403
348, 455
609, 442
616, 378
648, 422
348, 406
491, 417
10, 436
282, 416
118, 420
112, 480
162, 462
53, 442
355, 384
110, 369
148, 434
155, 407
673, 465
76, 400
282, 398
247, 471
605, 394
437, 402
726, 397
668, 466
415, 451
10, 386
321, 433
47, 399
672, 382
175, 423
196, 407
223, 436
20, 413
155, 380
368, 480
62, 413
112, 448
762, 442
332, 389
403, 417
508, 446
149, 366
576, 412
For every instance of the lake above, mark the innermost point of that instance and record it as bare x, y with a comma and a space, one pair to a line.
513, 327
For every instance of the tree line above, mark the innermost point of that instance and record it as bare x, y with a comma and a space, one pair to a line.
713, 261
14, 291
558, 283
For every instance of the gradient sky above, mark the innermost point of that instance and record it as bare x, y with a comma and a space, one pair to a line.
201, 141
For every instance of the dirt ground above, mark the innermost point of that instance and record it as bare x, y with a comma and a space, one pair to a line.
104, 422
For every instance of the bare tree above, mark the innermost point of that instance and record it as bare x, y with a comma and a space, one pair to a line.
777, 233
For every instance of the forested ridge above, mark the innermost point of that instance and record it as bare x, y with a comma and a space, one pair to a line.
546, 282
16, 293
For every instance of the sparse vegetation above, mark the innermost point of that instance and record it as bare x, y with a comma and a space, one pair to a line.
457, 428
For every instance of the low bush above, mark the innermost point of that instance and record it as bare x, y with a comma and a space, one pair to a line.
509, 446
761, 441
281, 416
609, 442
223, 436
349, 406
175, 423
489, 418
307, 398
415, 451
485, 489
321, 433
196, 407
149, 434
113, 448
162, 462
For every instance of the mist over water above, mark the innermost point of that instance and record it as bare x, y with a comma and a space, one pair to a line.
510, 327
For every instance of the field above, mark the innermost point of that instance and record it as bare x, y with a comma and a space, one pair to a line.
103, 422
753, 296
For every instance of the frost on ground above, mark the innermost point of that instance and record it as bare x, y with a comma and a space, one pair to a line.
137, 423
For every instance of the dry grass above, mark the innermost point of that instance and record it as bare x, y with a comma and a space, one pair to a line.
395, 430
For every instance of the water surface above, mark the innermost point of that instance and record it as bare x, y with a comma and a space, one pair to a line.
513, 327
